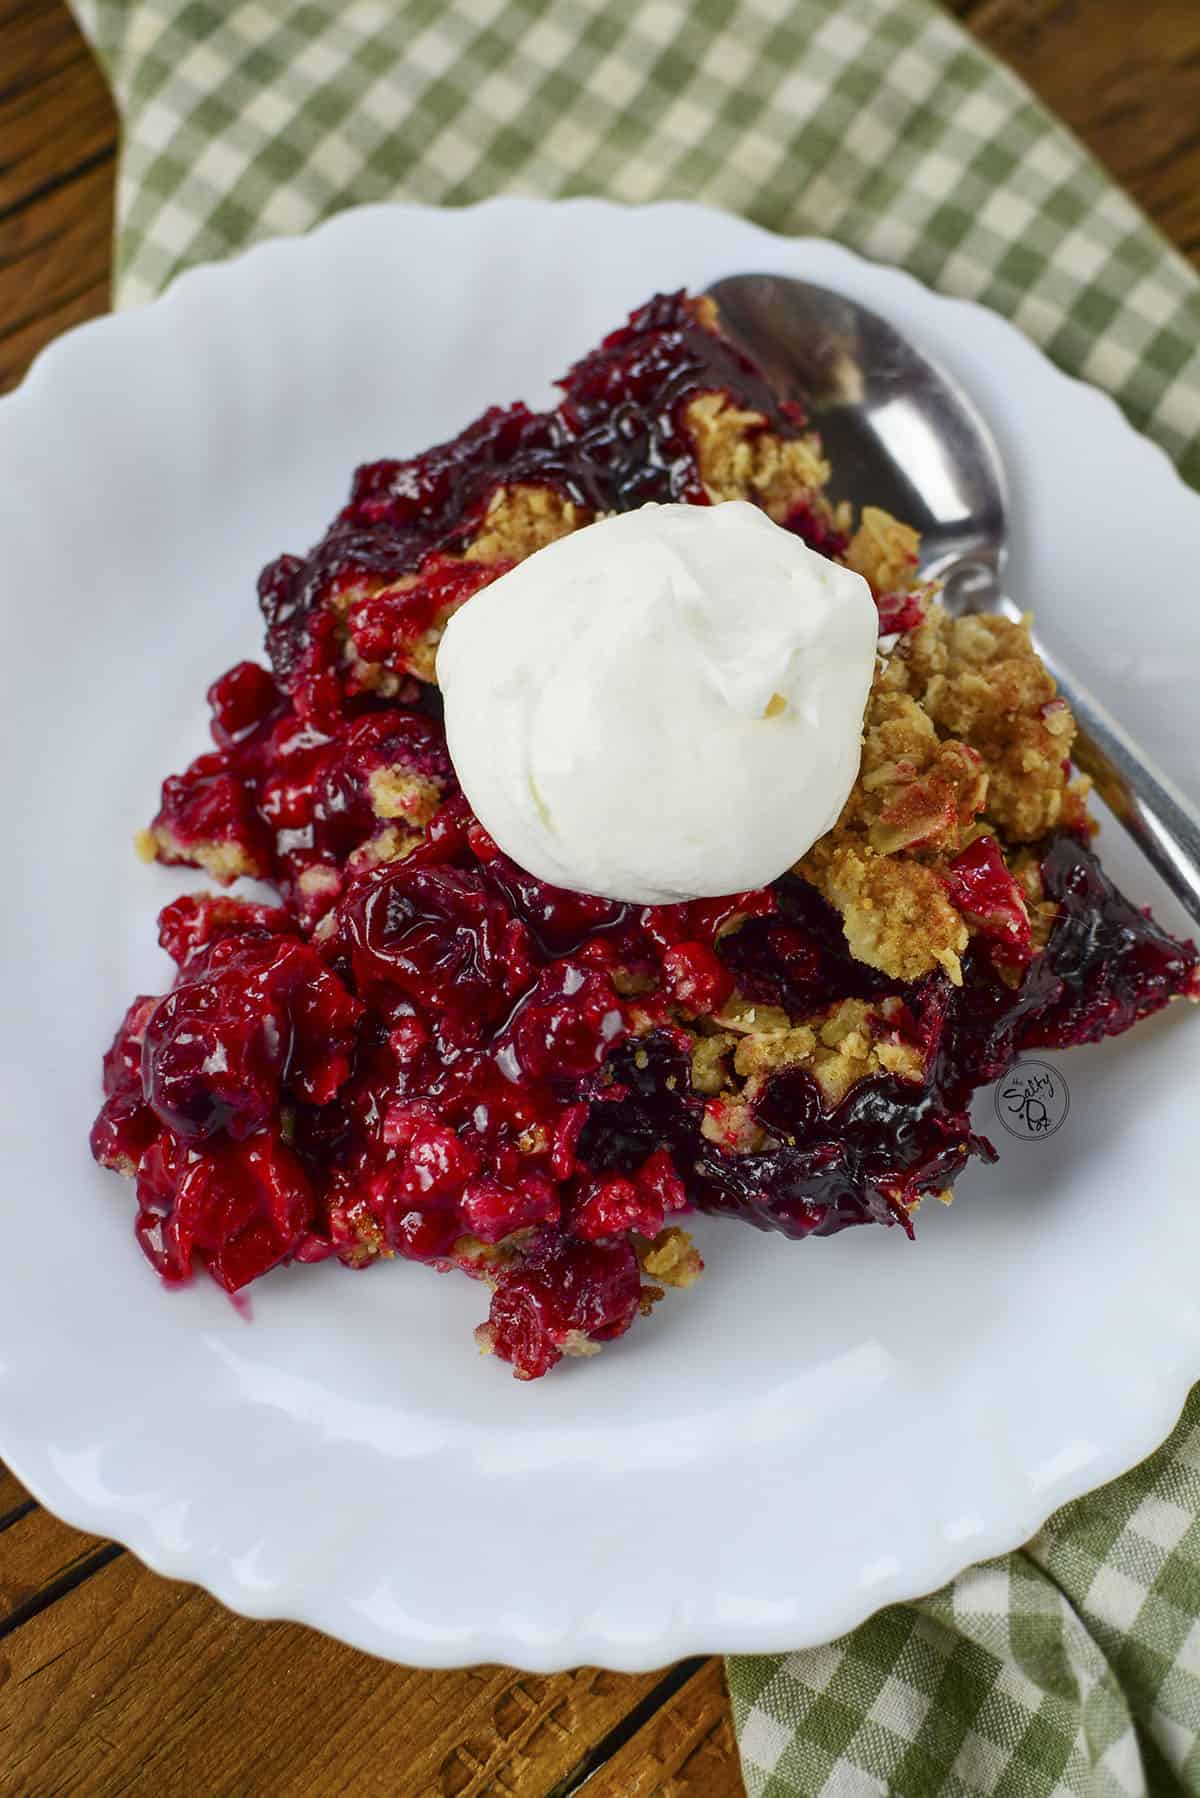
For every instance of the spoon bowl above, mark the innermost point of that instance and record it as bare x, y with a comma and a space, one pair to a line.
898, 432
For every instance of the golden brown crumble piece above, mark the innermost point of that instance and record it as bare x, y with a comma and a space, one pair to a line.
741, 1016
763, 1052
914, 790
368, 1243
224, 859
521, 519
706, 312
672, 1257
1075, 815
476, 1257
839, 1047
979, 679
895, 911
964, 736
391, 844
729, 1123
648, 1297
319, 881
709, 1073
125, 1165
739, 459
485, 1260
398, 792
883, 551
851, 1042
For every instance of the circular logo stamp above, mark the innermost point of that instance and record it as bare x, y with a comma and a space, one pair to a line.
1032, 1100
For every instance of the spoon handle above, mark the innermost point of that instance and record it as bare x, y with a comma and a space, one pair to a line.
1161, 820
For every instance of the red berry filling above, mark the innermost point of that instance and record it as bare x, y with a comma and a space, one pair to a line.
562, 1297
244, 1207
990, 900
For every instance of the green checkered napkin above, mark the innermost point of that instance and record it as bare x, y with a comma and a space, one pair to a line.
1072, 1667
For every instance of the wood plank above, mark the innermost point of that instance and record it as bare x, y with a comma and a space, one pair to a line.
57, 148
40, 37
13, 1496
19, 347
132, 1684
49, 129
39, 1557
56, 249
1127, 79
685, 1750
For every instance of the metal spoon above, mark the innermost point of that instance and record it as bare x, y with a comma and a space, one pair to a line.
902, 434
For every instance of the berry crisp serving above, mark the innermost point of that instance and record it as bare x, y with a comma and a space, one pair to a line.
421, 1050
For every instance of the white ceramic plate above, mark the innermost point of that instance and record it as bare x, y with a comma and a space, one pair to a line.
814, 1431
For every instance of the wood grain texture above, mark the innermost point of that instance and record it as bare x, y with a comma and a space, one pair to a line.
39, 1558
14, 1501
1126, 75
51, 129
39, 37
58, 137
131, 1684
19, 346
686, 1750
50, 251
112, 1680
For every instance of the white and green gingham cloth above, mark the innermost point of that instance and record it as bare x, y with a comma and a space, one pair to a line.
1073, 1666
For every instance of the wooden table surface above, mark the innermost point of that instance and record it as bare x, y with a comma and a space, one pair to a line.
113, 1680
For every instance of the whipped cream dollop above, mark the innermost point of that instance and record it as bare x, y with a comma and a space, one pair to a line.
664, 705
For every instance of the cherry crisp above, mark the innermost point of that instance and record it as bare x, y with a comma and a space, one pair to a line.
421, 1050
